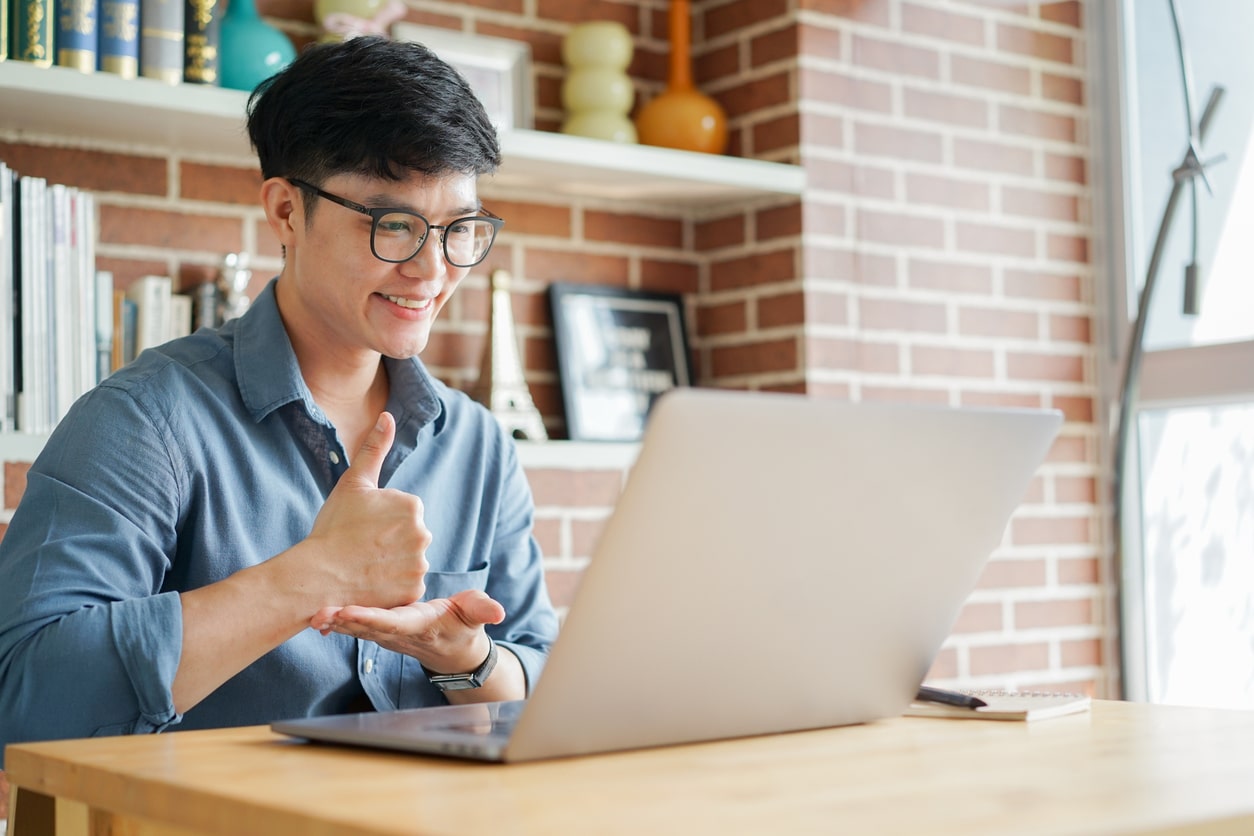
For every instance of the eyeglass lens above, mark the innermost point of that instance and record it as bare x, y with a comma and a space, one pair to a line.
398, 236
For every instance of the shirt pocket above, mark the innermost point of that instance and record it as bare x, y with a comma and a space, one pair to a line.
445, 584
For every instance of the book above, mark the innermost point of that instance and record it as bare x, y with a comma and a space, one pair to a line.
1006, 705
31, 23
202, 35
77, 35
151, 295
161, 40
104, 324
4, 29
8, 319
180, 315
119, 37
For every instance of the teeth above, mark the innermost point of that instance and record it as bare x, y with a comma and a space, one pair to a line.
407, 303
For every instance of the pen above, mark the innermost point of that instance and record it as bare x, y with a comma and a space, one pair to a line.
940, 695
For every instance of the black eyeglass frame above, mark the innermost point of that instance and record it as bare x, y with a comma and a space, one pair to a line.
377, 214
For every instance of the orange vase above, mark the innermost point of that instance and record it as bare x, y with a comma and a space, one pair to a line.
682, 116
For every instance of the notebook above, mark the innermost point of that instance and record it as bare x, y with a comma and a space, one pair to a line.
775, 563
1007, 705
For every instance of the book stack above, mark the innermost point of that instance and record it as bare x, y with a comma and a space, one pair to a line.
48, 291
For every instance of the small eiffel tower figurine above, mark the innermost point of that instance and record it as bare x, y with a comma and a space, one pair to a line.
501, 386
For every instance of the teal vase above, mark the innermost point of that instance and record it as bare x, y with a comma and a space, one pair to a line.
251, 49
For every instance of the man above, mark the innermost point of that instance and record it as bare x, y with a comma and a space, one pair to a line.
196, 514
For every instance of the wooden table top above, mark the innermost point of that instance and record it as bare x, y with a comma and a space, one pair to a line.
1122, 767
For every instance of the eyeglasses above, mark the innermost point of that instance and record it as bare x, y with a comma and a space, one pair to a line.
396, 235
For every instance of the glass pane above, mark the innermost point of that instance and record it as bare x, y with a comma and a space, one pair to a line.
1215, 34
1197, 491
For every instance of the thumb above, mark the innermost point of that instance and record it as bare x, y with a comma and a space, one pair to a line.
366, 466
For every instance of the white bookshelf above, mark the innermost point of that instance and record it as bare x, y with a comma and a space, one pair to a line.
58, 103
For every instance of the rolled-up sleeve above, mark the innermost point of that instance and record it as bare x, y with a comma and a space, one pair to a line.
89, 643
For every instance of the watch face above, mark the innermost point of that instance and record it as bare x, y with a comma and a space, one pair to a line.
463, 682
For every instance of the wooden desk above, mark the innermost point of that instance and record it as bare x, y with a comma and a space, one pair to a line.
1121, 768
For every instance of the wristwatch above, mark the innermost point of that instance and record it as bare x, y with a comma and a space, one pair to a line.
465, 681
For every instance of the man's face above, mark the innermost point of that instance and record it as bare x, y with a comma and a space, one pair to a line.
345, 299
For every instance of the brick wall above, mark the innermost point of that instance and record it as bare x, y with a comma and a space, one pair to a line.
939, 254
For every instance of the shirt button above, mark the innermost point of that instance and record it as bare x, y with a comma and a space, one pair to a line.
335, 459
369, 666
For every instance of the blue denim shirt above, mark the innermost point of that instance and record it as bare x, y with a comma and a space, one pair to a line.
209, 455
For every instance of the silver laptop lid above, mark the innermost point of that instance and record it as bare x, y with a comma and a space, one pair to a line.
775, 563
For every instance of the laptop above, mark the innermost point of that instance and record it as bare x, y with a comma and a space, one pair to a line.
775, 563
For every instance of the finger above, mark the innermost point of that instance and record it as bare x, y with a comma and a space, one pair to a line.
366, 466
475, 607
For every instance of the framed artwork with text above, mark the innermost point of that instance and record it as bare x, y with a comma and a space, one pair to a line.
617, 351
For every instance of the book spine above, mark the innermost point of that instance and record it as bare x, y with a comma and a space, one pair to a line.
202, 26
8, 323
119, 37
32, 26
4, 29
161, 40
77, 36
104, 324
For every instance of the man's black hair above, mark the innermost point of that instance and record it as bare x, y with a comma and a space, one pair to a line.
369, 106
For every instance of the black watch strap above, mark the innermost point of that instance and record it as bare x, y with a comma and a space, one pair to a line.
466, 681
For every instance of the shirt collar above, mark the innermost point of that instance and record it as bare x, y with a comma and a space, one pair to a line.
265, 386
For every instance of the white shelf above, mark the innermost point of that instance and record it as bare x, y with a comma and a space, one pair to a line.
209, 121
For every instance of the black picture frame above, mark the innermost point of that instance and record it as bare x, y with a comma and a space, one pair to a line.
617, 351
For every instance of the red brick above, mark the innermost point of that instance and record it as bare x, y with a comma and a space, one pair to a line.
1045, 286
723, 232
1029, 615
990, 75
828, 87
1075, 489
1007, 658
950, 277
1050, 531
1079, 571
998, 322
900, 229
584, 534
754, 270
946, 108
1069, 13
569, 266
778, 222
99, 171
756, 94
1057, 367
754, 358
575, 488
904, 394
725, 318
1067, 248
774, 134
1012, 573
1080, 653
993, 156
995, 239
1035, 44
899, 143
1017, 400
633, 229
942, 24
1036, 124
819, 41
532, 218
1061, 88
170, 229
668, 276
738, 15
860, 180
572, 11
862, 11
781, 44
220, 184
14, 482
895, 57
822, 308
896, 315
1034, 203
938, 190
781, 310
548, 535
945, 665
1078, 409
951, 362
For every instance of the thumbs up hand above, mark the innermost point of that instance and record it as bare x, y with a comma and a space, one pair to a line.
370, 543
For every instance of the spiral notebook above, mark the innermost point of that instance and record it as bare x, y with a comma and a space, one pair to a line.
1006, 705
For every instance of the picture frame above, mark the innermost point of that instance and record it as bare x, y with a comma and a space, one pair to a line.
497, 69
618, 351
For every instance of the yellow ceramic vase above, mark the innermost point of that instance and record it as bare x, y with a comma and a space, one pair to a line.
682, 116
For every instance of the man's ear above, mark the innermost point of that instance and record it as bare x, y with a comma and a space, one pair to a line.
285, 209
